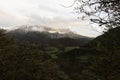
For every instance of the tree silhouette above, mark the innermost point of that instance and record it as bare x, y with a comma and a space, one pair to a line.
103, 12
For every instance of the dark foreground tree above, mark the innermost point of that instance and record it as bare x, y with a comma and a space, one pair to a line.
103, 12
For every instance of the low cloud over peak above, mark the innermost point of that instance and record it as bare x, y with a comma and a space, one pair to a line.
36, 12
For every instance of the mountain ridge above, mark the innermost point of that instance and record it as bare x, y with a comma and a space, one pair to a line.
45, 37
40, 28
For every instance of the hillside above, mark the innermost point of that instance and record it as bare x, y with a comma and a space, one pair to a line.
97, 60
109, 40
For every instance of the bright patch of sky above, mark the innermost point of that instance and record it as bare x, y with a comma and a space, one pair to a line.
43, 12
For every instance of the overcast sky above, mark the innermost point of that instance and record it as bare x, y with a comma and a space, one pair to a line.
43, 12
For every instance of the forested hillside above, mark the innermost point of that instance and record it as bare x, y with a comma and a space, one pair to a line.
97, 60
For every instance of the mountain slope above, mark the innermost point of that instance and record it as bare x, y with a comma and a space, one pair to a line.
46, 37
53, 33
109, 40
98, 60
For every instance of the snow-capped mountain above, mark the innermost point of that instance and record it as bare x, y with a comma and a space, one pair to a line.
51, 32
47, 36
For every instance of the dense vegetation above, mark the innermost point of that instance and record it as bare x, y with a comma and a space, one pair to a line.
97, 60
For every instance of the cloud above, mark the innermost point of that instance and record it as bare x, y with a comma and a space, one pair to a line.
32, 12
7, 19
48, 9
40, 12
58, 22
